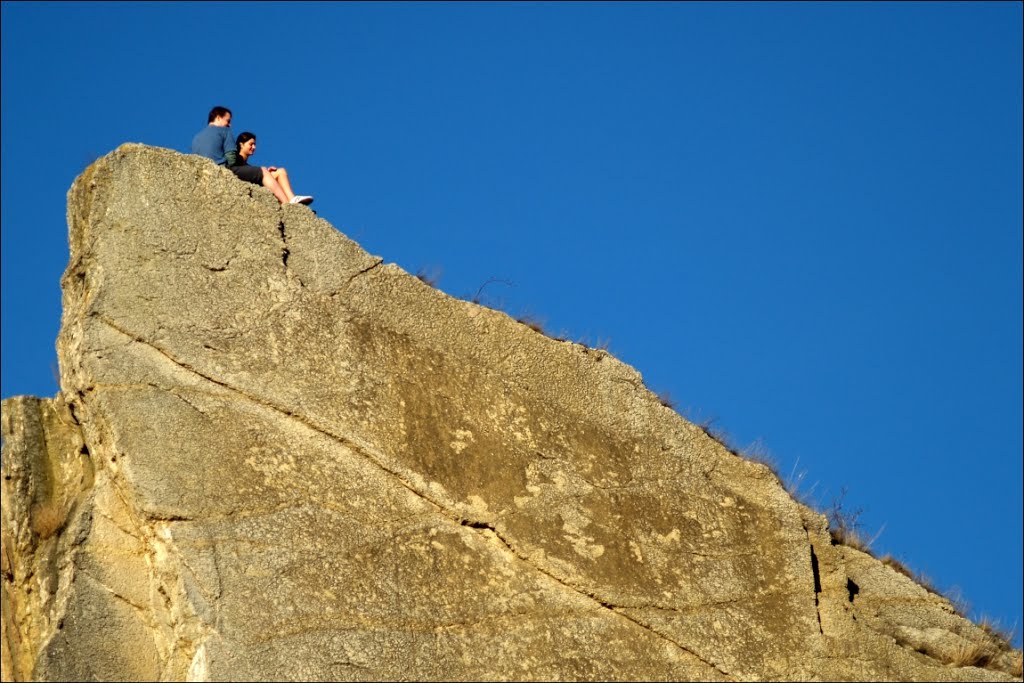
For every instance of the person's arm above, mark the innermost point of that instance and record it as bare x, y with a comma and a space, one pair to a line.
229, 142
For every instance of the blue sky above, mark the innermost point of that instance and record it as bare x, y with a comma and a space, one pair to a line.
802, 220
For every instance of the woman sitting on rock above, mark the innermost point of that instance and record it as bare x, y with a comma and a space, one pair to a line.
271, 177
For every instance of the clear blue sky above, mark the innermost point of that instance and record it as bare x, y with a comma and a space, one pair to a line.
802, 220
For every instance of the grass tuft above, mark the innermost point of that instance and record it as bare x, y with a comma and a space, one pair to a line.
430, 278
979, 653
758, 452
893, 563
532, 322
997, 631
956, 598
844, 525
719, 436
794, 485
922, 580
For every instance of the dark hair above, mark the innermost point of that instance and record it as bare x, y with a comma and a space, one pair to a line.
243, 138
217, 112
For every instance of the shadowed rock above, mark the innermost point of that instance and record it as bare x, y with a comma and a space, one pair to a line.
274, 456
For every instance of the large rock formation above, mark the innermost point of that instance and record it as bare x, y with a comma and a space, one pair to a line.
274, 456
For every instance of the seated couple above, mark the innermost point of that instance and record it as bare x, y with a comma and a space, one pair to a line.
216, 142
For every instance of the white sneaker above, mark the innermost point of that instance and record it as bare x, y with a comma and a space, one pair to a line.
301, 199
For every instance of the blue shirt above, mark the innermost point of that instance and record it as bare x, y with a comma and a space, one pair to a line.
213, 141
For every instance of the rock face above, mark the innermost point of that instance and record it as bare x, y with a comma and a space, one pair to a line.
274, 456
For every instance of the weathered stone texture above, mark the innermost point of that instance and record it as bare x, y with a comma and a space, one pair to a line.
274, 456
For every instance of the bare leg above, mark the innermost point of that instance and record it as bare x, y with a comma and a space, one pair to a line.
281, 176
271, 184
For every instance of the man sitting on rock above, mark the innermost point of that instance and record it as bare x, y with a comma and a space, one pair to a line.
216, 141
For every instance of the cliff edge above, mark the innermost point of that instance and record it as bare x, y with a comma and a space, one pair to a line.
275, 456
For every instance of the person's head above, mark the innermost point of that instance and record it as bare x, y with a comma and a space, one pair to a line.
246, 144
219, 116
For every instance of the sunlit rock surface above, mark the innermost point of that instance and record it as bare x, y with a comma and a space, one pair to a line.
274, 456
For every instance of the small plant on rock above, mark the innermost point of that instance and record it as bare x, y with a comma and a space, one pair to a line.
665, 399
844, 525
979, 653
431, 277
718, 436
532, 322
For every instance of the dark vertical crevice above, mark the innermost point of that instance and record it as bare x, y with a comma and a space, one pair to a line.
284, 238
817, 587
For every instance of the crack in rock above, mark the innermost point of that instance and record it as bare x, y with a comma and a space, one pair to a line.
364, 271
816, 571
285, 252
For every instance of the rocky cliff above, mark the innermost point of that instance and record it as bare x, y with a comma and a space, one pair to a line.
275, 456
